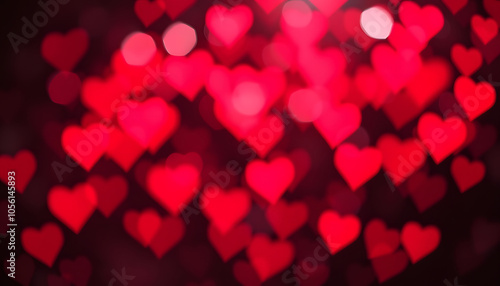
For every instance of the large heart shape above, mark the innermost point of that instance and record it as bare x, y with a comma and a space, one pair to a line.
338, 232
419, 242
43, 244
173, 187
87, 145
270, 180
226, 209
73, 207
150, 123
229, 25
65, 51
357, 166
337, 123
475, 99
441, 137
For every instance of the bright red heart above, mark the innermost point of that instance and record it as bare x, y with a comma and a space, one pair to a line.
338, 123
24, 166
65, 51
427, 20
43, 244
270, 180
229, 25
73, 207
142, 226
379, 240
188, 74
338, 232
110, 192
172, 188
170, 232
467, 174
267, 257
485, 29
85, 146
285, 218
467, 61
357, 166
150, 123
226, 209
397, 68
441, 137
229, 244
148, 11
419, 242
475, 99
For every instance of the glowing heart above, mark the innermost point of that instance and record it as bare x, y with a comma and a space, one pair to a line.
337, 123
85, 146
467, 61
73, 207
475, 99
172, 188
338, 232
43, 244
485, 29
441, 137
188, 74
226, 209
419, 242
270, 180
150, 123
229, 25
357, 166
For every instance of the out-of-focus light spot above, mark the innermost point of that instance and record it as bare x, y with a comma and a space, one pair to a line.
179, 39
305, 104
297, 14
248, 98
376, 22
138, 49
64, 87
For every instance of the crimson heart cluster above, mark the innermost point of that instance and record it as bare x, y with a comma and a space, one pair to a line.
255, 143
